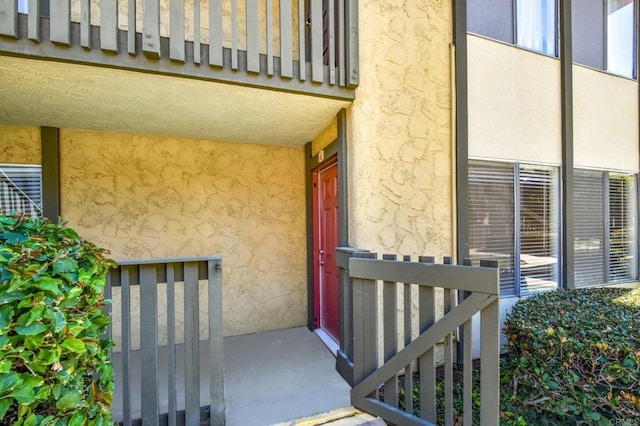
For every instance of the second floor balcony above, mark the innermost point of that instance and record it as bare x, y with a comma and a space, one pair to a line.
291, 45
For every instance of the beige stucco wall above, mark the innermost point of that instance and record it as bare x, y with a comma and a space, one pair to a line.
20, 145
328, 135
605, 109
148, 196
514, 103
400, 130
123, 21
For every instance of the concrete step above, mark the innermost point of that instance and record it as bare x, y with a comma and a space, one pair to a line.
345, 416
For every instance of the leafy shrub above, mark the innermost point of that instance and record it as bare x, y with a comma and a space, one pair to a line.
574, 356
54, 361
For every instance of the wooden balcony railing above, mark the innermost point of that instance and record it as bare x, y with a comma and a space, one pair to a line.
254, 42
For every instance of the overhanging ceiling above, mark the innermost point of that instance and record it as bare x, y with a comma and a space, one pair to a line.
55, 94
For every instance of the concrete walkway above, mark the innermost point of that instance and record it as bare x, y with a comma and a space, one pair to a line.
269, 378
280, 376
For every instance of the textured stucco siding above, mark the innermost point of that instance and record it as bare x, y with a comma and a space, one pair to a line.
20, 145
400, 130
147, 196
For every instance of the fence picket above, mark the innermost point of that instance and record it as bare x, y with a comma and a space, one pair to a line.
286, 39
150, 395
9, 18
60, 11
34, 20
109, 25
171, 343
191, 344
390, 321
427, 362
176, 30
151, 28
215, 33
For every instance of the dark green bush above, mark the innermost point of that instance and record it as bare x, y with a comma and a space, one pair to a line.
54, 362
574, 356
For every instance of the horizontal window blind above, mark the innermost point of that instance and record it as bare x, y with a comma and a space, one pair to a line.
538, 228
622, 227
21, 188
589, 234
491, 212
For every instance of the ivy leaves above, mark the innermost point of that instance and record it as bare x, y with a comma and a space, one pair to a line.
54, 362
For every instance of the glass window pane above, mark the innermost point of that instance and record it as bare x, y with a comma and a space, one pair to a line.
587, 28
491, 218
21, 189
536, 25
620, 36
589, 228
491, 18
622, 228
539, 213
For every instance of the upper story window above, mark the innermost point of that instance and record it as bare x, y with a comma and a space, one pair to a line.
604, 34
536, 25
531, 24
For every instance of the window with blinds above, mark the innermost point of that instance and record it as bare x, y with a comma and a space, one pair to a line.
588, 227
539, 228
605, 227
514, 211
21, 189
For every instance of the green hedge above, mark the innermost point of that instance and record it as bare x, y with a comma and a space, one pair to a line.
54, 362
574, 357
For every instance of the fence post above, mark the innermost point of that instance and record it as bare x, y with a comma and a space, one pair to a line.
344, 359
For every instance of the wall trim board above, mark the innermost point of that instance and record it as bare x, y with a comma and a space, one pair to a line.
50, 144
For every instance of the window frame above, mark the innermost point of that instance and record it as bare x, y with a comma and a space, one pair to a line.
38, 203
605, 177
516, 168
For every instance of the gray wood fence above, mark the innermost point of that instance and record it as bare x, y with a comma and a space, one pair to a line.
159, 376
318, 43
383, 352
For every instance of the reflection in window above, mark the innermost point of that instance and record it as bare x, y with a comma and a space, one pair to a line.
514, 219
536, 25
620, 37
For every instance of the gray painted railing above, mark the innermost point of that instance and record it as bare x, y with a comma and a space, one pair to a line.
159, 281
438, 317
319, 44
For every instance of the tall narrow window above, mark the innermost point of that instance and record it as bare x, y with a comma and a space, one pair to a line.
536, 25
620, 37
605, 227
539, 228
623, 234
589, 228
491, 212
514, 220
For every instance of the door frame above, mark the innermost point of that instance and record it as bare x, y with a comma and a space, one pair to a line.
337, 150
317, 287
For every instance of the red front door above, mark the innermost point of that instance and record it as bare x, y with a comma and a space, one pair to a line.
326, 228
